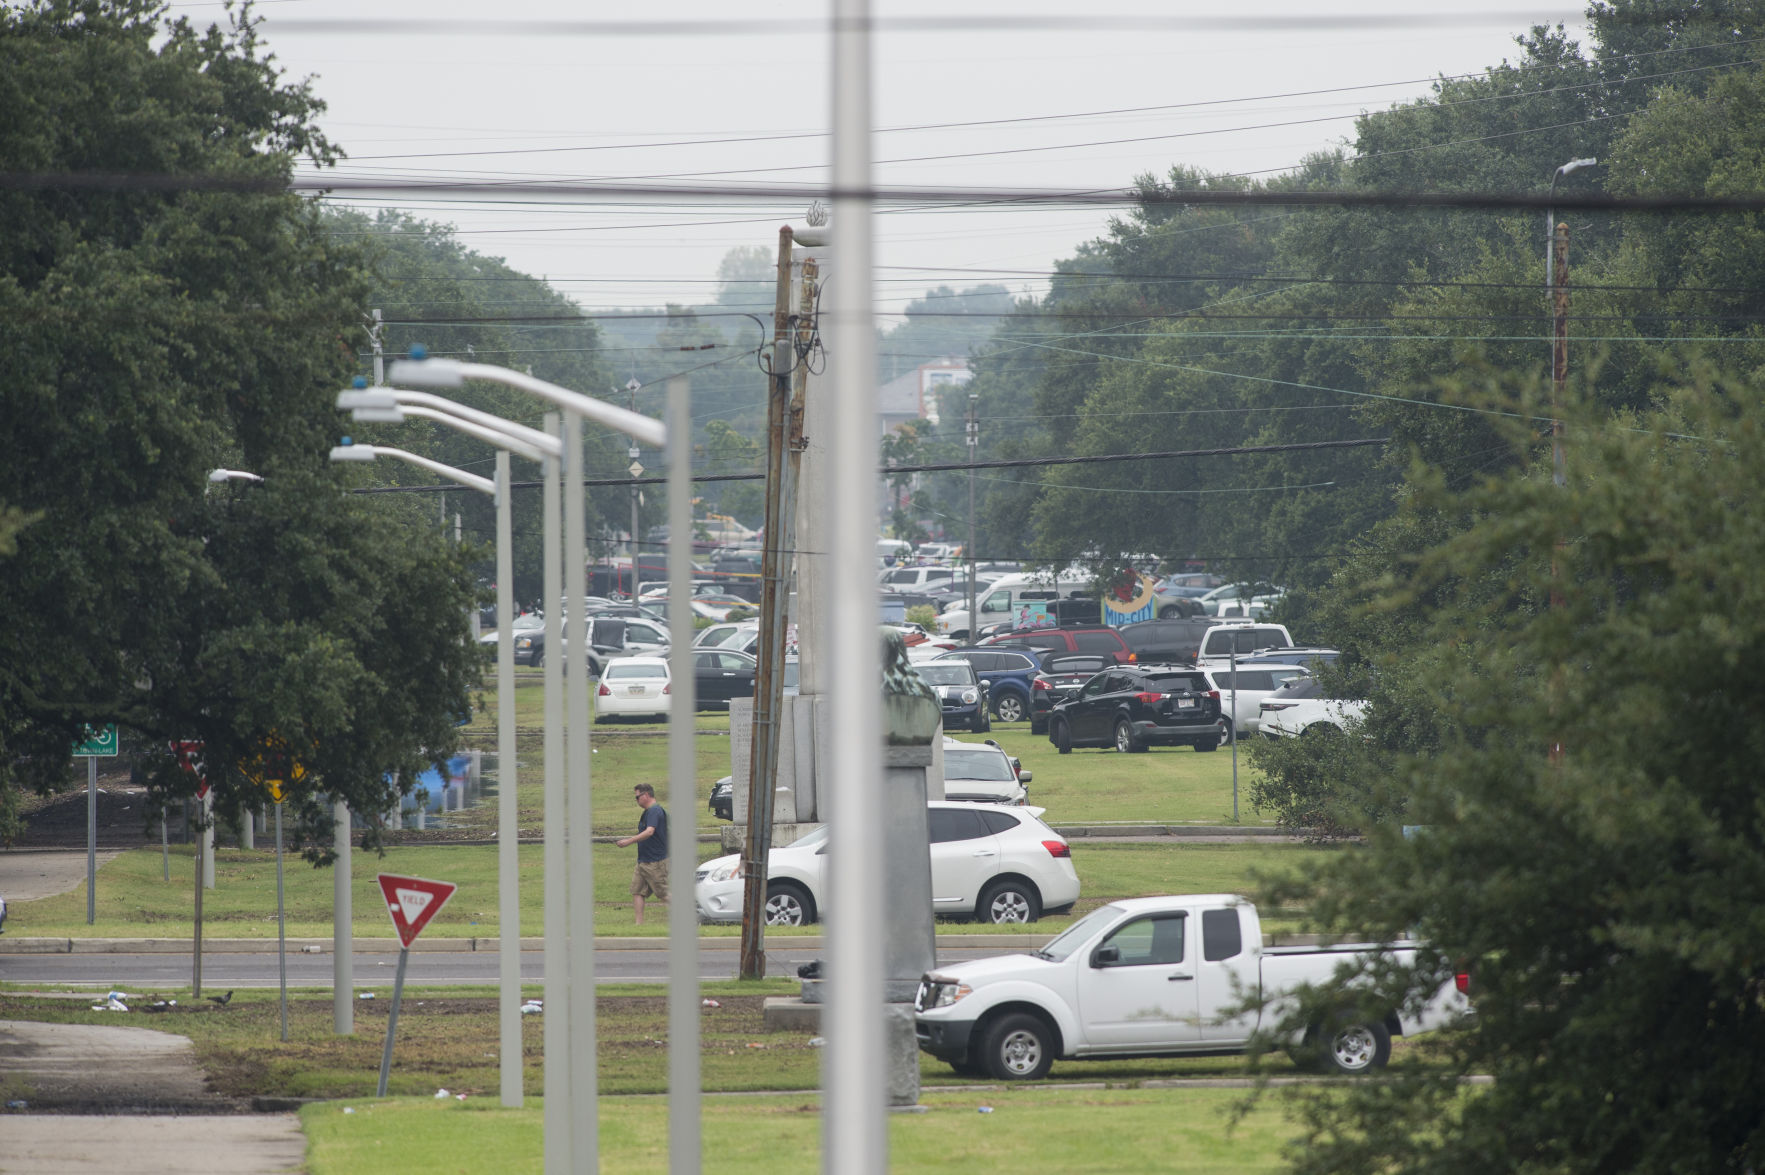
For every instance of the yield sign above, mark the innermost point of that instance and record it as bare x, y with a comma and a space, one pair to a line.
412, 901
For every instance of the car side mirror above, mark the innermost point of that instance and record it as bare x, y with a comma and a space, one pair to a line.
1025, 777
1106, 956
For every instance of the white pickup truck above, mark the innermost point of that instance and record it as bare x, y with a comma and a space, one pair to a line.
1140, 977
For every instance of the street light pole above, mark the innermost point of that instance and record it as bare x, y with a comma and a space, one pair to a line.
393, 406
572, 1135
973, 438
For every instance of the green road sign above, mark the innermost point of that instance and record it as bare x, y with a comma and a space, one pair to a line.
99, 744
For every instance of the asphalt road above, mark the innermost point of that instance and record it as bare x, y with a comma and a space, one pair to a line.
149, 972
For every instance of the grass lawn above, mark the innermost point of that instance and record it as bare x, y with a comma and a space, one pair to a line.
1163, 786
134, 901
1025, 1129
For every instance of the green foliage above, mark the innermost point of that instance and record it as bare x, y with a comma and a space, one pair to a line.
151, 337
1608, 901
924, 615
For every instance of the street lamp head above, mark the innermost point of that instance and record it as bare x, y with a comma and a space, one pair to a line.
217, 476
427, 373
366, 398
1577, 165
349, 451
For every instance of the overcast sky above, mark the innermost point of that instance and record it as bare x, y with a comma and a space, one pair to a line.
1042, 102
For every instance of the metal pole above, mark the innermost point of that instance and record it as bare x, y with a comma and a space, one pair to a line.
854, 1119
579, 815
768, 673
196, 939
208, 840
342, 928
165, 851
404, 956
508, 844
379, 350
1559, 466
973, 437
91, 840
1232, 730
684, 1143
281, 926
558, 1145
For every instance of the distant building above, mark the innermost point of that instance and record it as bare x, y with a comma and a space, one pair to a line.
914, 395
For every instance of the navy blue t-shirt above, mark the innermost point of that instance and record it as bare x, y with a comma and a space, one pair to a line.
656, 847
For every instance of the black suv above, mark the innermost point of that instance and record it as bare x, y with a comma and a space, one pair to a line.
1132, 707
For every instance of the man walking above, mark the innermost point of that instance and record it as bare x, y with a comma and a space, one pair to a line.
651, 878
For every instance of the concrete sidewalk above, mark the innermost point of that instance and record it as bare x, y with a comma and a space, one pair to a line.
176, 1126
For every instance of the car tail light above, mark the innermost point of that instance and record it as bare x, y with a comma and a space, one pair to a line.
604, 692
1038, 683
1057, 848
1275, 707
667, 688
1148, 698
1214, 694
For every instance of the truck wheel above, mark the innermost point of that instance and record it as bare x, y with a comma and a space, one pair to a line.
1010, 708
1019, 1047
1009, 901
1353, 1048
1060, 734
1125, 742
1207, 745
787, 905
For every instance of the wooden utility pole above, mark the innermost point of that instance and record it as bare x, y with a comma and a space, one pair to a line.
1559, 469
769, 673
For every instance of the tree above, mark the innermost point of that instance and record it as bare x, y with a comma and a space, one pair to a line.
1609, 902
152, 336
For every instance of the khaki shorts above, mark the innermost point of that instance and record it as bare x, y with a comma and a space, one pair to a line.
650, 880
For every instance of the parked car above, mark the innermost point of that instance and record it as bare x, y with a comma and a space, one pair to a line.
1241, 698
1239, 637
1133, 707
983, 773
1005, 599
995, 862
1062, 676
633, 687
1242, 594
1310, 656
719, 675
1171, 641
609, 636
1302, 707
1092, 638
490, 636
960, 694
1007, 674
735, 634
1159, 976
914, 579
722, 802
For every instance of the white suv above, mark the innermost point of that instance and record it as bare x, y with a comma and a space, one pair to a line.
1254, 685
983, 773
994, 862
1299, 707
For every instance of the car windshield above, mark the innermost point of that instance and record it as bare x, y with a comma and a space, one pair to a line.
629, 669
813, 839
946, 672
1076, 935
1075, 664
984, 763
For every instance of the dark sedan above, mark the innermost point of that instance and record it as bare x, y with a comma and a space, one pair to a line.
1133, 707
722, 674
1060, 679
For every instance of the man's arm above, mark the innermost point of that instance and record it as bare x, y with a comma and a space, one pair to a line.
631, 840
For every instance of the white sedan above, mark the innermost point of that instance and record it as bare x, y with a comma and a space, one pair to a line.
633, 687
995, 862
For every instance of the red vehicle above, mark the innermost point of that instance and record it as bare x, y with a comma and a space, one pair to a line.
1099, 639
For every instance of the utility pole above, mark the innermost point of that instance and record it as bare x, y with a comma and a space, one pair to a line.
631, 386
379, 349
1559, 468
973, 438
768, 673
